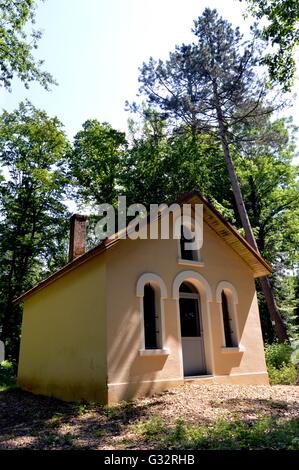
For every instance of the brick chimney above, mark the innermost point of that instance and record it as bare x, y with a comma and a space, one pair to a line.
77, 236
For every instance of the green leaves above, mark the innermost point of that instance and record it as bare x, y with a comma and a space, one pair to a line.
282, 33
33, 223
96, 162
17, 44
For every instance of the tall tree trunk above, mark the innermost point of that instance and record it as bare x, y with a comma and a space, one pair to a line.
277, 322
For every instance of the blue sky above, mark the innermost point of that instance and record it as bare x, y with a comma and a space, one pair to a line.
94, 48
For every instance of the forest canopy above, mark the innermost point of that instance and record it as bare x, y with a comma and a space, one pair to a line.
205, 120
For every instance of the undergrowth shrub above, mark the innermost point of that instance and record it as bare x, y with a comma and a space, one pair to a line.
281, 368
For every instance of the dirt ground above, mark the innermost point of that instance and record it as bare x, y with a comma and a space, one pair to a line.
35, 422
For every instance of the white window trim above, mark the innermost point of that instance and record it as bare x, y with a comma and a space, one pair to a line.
192, 263
153, 352
232, 297
195, 278
144, 279
233, 350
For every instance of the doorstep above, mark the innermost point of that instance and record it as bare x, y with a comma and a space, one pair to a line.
200, 379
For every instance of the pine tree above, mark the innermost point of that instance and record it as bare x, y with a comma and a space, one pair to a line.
211, 85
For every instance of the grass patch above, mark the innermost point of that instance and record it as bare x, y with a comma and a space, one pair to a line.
123, 411
100, 432
82, 409
58, 440
50, 440
262, 433
153, 427
54, 421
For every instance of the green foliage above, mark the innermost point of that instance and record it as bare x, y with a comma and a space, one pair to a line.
51, 440
82, 409
179, 433
68, 439
277, 355
7, 376
99, 433
282, 33
286, 296
96, 161
54, 421
285, 375
33, 225
279, 363
7, 365
172, 148
295, 353
232, 434
153, 427
269, 182
270, 187
238, 434
160, 168
17, 44
58, 440
122, 410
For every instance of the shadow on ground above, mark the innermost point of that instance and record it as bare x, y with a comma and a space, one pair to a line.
35, 422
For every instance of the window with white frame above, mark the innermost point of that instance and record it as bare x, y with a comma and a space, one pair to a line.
227, 298
152, 317
231, 340
151, 291
188, 237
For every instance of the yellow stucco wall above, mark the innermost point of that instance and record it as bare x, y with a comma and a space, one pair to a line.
63, 342
130, 374
84, 331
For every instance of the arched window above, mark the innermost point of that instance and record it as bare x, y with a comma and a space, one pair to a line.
152, 292
227, 298
188, 288
228, 323
152, 320
186, 253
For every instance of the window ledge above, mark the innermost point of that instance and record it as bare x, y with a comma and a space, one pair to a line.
233, 350
189, 262
153, 352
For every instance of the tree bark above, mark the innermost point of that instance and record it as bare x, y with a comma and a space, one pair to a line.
277, 322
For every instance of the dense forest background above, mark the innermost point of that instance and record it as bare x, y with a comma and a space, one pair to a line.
212, 102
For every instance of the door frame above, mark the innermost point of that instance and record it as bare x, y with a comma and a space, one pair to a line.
205, 294
195, 296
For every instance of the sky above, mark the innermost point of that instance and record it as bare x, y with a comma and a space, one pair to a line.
93, 48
